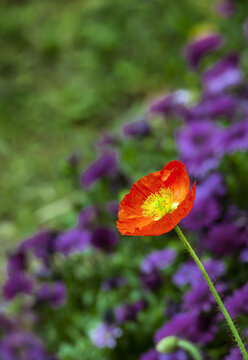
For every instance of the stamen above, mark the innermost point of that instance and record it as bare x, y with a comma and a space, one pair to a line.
159, 204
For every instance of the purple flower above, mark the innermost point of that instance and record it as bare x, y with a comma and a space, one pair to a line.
185, 274
17, 346
191, 325
104, 166
105, 335
139, 128
189, 273
105, 239
200, 145
223, 74
237, 303
200, 298
53, 293
7, 324
199, 47
128, 311
18, 283
236, 137
170, 103
106, 141
158, 260
206, 207
178, 355
225, 8
113, 208
212, 107
42, 245
196, 136
213, 185
152, 354
87, 216
151, 281
204, 213
73, 241
113, 283
234, 354
225, 238
16, 262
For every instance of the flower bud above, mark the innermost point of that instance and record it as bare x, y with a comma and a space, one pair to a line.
168, 345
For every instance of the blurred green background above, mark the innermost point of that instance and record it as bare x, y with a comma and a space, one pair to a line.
70, 70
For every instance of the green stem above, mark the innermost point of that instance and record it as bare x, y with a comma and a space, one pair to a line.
216, 295
190, 349
171, 344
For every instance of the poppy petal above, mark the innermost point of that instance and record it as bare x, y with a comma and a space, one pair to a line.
133, 220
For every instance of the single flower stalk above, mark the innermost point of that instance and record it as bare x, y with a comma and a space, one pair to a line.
155, 205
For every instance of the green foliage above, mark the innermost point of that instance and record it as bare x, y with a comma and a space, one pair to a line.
69, 69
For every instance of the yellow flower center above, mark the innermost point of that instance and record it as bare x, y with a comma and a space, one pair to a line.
159, 204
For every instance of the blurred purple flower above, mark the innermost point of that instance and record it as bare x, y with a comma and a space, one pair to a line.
204, 213
105, 239
236, 137
129, 311
171, 103
7, 324
206, 207
213, 185
237, 303
73, 241
52, 293
18, 283
234, 354
212, 107
151, 281
191, 325
113, 283
225, 8
139, 128
113, 208
158, 260
189, 273
105, 166
87, 216
200, 46
223, 74
200, 145
16, 262
106, 141
244, 255
152, 354
200, 298
42, 245
17, 346
105, 335
185, 274
225, 238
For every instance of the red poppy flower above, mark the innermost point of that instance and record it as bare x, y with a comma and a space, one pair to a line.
156, 203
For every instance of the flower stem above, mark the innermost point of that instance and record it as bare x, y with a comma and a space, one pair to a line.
190, 349
215, 293
170, 344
